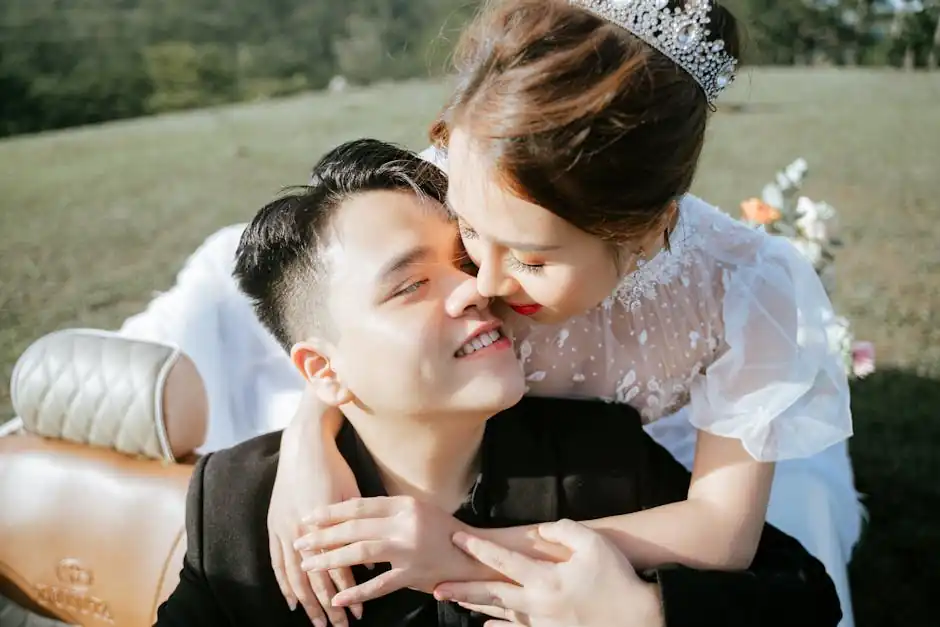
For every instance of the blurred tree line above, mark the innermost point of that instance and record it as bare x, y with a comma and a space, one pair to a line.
71, 62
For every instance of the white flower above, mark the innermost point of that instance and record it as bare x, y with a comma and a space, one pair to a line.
772, 196
806, 207
812, 225
796, 171
839, 335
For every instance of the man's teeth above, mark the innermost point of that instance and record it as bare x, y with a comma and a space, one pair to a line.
481, 341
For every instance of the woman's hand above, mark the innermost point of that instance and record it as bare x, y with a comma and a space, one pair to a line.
311, 473
413, 536
595, 587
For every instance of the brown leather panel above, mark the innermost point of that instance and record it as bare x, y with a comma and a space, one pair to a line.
92, 536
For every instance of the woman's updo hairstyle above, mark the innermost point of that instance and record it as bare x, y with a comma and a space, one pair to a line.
578, 115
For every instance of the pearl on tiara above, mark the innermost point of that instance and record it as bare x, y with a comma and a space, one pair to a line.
680, 33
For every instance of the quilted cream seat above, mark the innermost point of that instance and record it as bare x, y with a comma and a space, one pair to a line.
99, 388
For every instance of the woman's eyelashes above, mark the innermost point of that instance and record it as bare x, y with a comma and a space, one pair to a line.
466, 232
531, 268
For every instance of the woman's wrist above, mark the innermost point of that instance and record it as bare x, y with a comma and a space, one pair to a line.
314, 425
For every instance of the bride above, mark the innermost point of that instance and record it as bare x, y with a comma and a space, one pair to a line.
571, 142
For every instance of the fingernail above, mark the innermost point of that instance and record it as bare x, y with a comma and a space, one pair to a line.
442, 594
301, 545
357, 611
319, 622
370, 566
460, 538
292, 604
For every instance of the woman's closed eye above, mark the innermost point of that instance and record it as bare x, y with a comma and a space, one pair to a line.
531, 268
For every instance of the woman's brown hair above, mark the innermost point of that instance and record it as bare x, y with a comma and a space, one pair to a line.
578, 115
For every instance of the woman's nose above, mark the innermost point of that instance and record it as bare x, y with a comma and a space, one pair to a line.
492, 281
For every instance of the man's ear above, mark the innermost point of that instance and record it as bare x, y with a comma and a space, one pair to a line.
311, 358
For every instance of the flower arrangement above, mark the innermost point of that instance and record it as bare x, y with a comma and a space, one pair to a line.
812, 227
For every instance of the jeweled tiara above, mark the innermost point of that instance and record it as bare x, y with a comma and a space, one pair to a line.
680, 33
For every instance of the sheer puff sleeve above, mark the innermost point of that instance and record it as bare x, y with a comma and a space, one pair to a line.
778, 384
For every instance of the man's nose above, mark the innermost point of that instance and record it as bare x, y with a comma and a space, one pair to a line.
492, 280
465, 296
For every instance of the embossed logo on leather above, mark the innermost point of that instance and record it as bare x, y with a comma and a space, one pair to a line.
72, 592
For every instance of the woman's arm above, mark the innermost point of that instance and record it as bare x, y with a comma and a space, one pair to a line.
311, 473
717, 527
784, 586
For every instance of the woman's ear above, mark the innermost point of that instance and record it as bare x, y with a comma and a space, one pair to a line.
311, 360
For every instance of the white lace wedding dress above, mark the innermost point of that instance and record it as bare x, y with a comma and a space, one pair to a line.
724, 333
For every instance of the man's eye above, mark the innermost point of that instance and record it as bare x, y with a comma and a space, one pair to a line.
465, 264
410, 289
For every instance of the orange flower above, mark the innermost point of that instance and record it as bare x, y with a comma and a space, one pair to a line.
759, 212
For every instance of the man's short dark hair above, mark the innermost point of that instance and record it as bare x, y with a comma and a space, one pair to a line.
279, 262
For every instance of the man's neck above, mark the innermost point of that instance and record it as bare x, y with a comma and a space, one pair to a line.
435, 458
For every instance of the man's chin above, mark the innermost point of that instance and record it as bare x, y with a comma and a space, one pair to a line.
489, 397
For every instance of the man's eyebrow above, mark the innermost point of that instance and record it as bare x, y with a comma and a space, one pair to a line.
520, 246
402, 261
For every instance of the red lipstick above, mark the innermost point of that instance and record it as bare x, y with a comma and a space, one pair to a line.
526, 310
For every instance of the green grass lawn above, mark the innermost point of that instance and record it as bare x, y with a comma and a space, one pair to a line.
93, 220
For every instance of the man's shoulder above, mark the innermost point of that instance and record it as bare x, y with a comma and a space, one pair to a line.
248, 459
235, 484
228, 561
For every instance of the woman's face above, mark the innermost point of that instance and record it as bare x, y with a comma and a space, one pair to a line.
539, 264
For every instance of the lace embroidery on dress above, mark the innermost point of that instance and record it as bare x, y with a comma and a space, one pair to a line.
656, 332
661, 269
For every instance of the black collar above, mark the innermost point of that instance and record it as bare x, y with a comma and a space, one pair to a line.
517, 482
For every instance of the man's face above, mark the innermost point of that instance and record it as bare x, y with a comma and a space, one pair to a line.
403, 309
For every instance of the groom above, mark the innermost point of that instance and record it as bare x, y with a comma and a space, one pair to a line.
361, 277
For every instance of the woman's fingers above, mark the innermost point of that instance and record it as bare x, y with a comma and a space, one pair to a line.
277, 563
348, 532
343, 580
351, 509
513, 565
349, 555
378, 586
301, 586
484, 593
